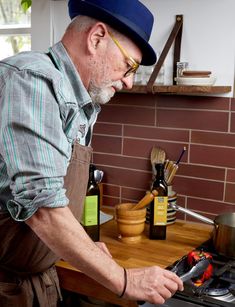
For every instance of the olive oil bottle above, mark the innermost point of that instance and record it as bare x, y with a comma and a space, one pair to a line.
91, 212
158, 207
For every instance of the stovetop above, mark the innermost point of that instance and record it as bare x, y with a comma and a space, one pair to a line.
218, 290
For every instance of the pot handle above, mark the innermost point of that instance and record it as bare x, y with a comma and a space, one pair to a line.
192, 213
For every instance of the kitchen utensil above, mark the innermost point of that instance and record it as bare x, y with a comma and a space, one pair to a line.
171, 174
224, 230
145, 200
98, 175
181, 155
171, 167
130, 223
158, 155
198, 255
196, 270
166, 164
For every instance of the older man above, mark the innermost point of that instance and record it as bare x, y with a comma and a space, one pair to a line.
49, 104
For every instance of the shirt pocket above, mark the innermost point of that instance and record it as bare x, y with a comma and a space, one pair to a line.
70, 120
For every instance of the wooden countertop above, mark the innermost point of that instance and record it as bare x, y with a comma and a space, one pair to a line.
182, 237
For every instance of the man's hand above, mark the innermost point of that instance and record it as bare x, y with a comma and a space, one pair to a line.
152, 284
104, 248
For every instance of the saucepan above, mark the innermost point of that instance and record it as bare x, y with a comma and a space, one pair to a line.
223, 234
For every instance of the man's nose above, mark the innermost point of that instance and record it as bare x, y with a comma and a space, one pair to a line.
128, 81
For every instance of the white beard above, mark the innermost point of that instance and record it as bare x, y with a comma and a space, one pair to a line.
103, 94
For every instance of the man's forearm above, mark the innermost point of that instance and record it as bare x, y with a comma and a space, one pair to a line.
64, 235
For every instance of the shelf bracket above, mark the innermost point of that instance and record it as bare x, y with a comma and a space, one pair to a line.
176, 35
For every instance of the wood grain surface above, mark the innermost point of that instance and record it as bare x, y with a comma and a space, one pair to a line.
181, 89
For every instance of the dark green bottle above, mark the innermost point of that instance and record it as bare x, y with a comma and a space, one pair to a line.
158, 207
91, 212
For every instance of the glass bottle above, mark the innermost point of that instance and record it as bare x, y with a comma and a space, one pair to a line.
91, 212
158, 207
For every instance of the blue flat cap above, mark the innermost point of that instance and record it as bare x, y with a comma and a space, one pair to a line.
129, 17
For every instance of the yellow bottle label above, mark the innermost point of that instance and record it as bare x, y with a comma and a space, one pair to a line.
90, 211
160, 210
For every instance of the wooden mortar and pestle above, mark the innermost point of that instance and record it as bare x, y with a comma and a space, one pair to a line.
131, 218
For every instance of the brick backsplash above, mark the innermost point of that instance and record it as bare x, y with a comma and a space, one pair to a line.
131, 124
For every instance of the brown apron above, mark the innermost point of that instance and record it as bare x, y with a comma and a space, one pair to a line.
27, 273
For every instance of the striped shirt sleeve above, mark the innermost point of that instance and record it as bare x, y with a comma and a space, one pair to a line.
33, 144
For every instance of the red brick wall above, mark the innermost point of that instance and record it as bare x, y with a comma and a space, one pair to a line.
131, 124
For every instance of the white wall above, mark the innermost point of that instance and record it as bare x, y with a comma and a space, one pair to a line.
41, 25
60, 18
208, 40
49, 20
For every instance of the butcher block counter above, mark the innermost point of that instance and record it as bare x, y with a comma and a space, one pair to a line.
182, 237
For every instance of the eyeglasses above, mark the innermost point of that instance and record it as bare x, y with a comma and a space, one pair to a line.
131, 62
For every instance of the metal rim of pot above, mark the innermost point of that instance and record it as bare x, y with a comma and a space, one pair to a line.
224, 229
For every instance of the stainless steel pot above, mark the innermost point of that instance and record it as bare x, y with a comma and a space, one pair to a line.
224, 230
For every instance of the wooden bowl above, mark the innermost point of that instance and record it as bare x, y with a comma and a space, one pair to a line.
130, 223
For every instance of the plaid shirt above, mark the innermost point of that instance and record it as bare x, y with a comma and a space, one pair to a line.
44, 109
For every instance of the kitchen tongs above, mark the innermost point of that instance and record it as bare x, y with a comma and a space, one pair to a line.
198, 269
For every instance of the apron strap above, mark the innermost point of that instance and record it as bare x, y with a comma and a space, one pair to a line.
41, 282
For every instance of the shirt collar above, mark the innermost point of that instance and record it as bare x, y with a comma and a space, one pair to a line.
66, 66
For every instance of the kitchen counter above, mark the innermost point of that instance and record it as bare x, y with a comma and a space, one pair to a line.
181, 238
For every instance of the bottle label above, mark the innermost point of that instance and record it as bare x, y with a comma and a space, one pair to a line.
90, 211
160, 210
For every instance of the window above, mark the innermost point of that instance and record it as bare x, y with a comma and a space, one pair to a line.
37, 29
15, 28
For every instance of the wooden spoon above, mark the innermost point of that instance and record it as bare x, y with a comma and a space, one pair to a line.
145, 200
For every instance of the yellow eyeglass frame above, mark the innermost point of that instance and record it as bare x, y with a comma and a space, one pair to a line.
133, 64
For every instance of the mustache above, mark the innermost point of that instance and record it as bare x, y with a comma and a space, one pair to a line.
117, 85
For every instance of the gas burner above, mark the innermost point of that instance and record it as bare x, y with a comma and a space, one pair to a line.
216, 292
220, 288
217, 288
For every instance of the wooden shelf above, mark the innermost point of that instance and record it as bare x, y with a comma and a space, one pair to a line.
151, 88
180, 89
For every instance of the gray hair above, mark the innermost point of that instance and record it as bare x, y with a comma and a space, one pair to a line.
82, 23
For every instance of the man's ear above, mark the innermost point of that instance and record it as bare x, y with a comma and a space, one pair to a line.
97, 37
